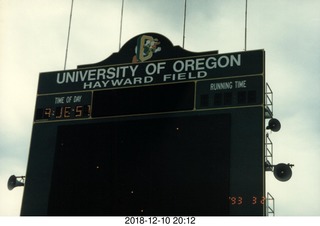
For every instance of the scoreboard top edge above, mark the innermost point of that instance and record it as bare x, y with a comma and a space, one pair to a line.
146, 69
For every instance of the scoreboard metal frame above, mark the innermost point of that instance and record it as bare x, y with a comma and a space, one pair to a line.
142, 90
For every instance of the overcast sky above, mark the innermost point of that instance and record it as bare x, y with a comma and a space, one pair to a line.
33, 36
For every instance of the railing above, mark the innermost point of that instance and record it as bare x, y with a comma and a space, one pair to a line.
268, 153
268, 102
270, 205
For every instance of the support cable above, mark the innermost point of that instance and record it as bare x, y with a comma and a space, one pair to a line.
66, 56
245, 28
184, 23
121, 24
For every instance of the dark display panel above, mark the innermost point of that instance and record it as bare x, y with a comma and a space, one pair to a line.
140, 100
156, 166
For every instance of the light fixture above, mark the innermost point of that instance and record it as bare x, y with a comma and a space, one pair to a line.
274, 125
281, 172
15, 181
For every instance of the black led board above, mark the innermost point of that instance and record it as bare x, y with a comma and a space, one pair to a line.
143, 167
150, 131
142, 100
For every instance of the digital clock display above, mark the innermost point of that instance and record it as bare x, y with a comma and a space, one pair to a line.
63, 107
63, 112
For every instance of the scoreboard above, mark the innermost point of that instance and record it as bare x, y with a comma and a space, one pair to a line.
152, 130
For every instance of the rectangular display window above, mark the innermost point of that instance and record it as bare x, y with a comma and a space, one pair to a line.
141, 100
175, 166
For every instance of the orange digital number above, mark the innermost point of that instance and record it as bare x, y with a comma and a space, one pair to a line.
78, 111
47, 112
254, 200
67, 111
59, 112
235, 200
